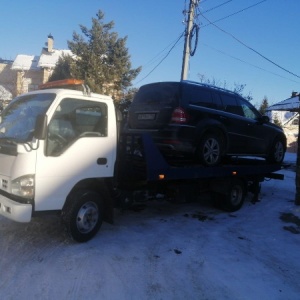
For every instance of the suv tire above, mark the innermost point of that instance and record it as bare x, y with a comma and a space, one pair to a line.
276, 154
210, 149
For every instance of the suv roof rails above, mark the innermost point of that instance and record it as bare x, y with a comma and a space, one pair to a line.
209, 86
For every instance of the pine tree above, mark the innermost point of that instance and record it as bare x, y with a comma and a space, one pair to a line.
63, 68
102, 59
276, 120
263, 106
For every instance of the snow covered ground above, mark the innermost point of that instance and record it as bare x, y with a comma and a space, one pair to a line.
166, 251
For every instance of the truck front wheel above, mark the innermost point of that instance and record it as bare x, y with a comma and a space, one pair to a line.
82, 215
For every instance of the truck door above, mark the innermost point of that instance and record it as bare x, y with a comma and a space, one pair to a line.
80, 144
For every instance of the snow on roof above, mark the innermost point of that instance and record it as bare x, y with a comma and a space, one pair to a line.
25, 62
49, 59
32, 62
291, 104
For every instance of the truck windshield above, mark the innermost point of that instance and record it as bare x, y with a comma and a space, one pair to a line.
19, 117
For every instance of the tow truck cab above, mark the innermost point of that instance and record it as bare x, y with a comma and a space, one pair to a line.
53, 141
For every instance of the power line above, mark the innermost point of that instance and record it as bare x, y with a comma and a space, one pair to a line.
250, 48
245, 62
208, 10
175, 43
235, 13
159, 54
211, 23
182, 34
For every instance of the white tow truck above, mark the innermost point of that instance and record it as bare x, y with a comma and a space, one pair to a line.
60, 152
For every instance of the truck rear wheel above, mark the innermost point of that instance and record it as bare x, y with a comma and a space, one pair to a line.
234, 198
83, 214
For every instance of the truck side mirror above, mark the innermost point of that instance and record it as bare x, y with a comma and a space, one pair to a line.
40, 130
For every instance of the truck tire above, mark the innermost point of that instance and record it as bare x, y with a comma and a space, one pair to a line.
234, 198
210, 149
82, 215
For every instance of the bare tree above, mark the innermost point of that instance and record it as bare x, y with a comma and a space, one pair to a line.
237, 87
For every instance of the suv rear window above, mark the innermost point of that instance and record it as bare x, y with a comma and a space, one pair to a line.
163, 93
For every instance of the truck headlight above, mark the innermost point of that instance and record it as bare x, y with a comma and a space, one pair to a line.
23, 186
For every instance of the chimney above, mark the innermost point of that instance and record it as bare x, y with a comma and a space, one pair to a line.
50, 43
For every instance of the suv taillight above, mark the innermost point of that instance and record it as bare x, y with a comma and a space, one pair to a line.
179, 116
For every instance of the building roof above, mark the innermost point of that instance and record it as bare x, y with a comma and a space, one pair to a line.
5, 61
49, 59
291, 104
32, 62
25, 62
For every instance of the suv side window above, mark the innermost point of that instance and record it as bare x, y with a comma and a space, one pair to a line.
199, 96
248, 110
231, 105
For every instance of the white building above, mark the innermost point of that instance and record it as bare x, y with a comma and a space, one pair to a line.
287, 113
27, 72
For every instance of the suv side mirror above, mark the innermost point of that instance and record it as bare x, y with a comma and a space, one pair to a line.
40, 129
265, 119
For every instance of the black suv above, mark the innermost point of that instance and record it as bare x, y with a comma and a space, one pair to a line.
189, 119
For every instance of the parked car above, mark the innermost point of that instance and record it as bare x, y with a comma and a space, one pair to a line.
203, 122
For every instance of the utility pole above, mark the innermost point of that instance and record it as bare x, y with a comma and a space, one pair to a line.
186, 51
297, 196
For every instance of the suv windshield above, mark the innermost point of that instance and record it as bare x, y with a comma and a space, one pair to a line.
19, 118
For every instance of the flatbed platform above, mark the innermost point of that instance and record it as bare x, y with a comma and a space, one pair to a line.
142, 160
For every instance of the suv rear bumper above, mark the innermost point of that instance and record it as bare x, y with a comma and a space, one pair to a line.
173, 140
15, 211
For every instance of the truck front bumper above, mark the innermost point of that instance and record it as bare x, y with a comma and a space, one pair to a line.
15, 211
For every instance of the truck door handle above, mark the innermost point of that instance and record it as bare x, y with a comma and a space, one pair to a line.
102, 161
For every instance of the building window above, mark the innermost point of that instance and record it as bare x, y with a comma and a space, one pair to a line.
295, 121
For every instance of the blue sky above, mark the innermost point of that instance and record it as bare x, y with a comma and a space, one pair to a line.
270, 27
